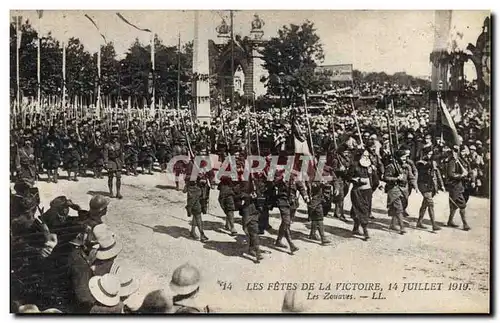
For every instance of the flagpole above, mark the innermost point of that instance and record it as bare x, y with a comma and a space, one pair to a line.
179, 72
64, 74
153, 101
99, 83
38, 62
18, 41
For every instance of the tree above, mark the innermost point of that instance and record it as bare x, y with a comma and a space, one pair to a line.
291, 59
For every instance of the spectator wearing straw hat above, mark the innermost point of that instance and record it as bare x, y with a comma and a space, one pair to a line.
33, 309
128, 283
106, 290
107, 251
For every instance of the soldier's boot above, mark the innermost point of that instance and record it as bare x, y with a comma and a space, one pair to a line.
281, 234
339, 210
401, 224
355, 229
421, 214
435, 227
450, 223
365, 232
49, 176
94, 172
312, 233
199, 223
464, 220
75, 177
321, 229
177, 185
110, 186
288, 237
150, 169
69, 176
255, 252
118, 188
393, 223
55, 176
230, 222
193, 227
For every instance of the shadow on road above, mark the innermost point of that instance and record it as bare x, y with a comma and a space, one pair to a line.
173, 231
380, 211
98, 193
166, 187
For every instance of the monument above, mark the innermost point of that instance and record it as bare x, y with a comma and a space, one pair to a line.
201, 77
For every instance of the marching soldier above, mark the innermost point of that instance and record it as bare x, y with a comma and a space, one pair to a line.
457, 180
362, 175
164, 151
113, 159
341, 164
25, 160
52, 158
195, 183
227, 201
429, 183
96, 157
71, 160
315, 201
250, 214
147, 156
287, 202
397, 175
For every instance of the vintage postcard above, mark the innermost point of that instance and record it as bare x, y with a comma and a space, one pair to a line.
244, 161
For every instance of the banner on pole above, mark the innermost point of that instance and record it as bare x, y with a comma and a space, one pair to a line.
336, 73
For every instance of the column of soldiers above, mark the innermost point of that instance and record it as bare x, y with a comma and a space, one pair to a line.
418, 166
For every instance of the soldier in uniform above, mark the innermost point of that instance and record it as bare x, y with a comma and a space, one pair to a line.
25, 161
361, 175
457, 182
113, 159
163, 151
227, 201
96, 158
264, 201
249, 213
429, 183
52, 158
315, 201
147, 156
194, 188
397, 175
287, 202
71, 160
340, 165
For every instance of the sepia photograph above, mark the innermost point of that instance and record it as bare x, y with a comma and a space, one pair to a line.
250, 161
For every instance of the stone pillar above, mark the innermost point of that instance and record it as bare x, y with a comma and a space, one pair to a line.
438, 58
201, 85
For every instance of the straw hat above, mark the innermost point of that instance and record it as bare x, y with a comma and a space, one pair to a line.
108, 246
105, 289
128, 283
185, 279
31, 308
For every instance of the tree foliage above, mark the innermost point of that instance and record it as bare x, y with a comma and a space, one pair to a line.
291, 59
120, 78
